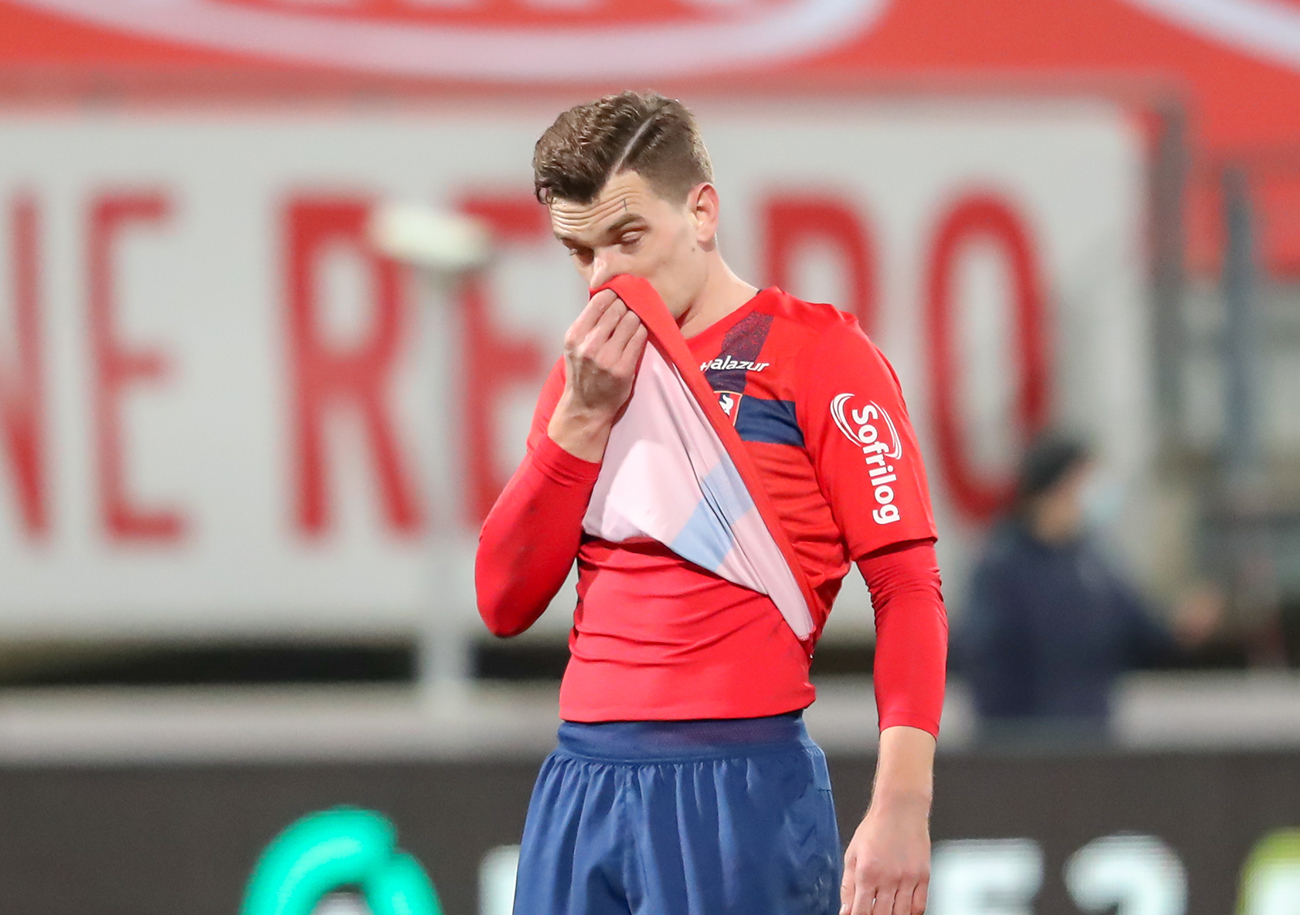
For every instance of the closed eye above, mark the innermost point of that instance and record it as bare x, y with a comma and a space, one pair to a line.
581, 254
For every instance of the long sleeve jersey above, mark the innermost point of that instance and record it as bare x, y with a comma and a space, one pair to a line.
655, 637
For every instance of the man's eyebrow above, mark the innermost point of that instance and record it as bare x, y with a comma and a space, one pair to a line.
621, 224
612, 229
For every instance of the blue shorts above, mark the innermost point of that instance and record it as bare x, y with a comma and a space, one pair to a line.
681, 818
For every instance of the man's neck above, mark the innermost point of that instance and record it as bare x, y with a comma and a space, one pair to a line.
722, 293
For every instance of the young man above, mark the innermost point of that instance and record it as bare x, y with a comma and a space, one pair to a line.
684, 782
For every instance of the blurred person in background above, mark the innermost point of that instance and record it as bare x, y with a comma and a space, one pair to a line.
1051, 623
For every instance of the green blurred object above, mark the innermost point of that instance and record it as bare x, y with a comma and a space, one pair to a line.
334, 849
1270, 879
401, 888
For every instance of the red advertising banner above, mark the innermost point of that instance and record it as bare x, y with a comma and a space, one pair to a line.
1234, 63
206, 366
1225, 52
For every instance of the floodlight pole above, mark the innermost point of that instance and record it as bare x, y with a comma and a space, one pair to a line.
441, 246
1168, 191
444, 666
1241, 333
1245, 498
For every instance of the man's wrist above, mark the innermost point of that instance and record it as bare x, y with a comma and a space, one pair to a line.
583, 433
904, 772
902, 799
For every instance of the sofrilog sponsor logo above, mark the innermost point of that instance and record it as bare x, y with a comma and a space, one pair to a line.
871, 429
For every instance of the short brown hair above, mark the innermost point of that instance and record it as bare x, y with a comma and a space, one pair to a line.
644, 132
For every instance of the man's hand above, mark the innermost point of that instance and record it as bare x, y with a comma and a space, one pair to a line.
887, 865
602, 349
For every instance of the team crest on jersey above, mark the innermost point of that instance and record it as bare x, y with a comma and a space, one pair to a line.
730, 403
871, 429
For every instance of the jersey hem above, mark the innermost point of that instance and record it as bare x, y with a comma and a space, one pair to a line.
908, 720
698, 713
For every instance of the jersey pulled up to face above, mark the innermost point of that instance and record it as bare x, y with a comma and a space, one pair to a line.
821, 413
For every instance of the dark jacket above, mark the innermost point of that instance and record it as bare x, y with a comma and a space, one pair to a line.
1047, 630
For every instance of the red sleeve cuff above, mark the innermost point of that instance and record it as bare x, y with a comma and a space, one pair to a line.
927, 723
562, 467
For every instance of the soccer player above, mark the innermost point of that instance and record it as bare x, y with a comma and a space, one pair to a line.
684, 782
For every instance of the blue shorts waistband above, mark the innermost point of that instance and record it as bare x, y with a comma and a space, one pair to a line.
650, 741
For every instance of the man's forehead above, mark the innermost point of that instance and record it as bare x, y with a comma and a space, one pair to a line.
623, 195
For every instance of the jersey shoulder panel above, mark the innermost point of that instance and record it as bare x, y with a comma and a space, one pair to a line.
801, 330
817, 317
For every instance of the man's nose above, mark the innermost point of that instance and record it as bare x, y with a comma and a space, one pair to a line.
603, 269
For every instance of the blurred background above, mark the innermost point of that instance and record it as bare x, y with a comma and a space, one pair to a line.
276, 301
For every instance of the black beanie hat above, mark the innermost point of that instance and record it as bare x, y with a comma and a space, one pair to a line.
1047, 461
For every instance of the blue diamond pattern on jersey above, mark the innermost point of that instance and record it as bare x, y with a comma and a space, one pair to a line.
707, 539
771, 421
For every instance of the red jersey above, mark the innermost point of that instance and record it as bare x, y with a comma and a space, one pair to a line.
656, 637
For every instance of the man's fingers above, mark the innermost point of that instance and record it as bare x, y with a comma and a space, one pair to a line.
623, 331
904, 903
597, 338
608, 320
848, 884
920, 897
611, 309
863, 898
884, 904
632, 351
591, 313
604, 297
857, 894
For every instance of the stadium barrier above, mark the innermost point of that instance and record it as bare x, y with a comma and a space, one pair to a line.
1157, 833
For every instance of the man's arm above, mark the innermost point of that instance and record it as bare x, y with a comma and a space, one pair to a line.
868, 461
887, 863
531, 537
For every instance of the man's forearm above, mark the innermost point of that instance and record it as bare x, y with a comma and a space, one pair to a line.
531, 537
911, 635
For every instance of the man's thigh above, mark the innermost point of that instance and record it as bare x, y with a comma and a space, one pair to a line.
574, 853
753, 834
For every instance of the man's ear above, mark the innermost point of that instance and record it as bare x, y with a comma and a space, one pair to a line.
702, 203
